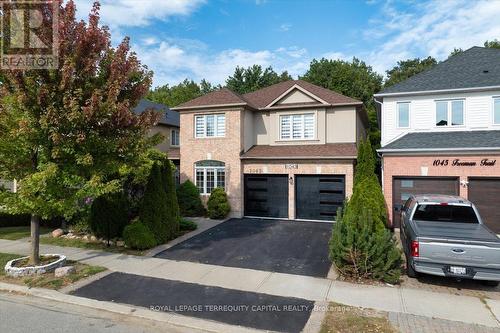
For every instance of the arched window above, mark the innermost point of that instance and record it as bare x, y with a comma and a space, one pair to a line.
209, 175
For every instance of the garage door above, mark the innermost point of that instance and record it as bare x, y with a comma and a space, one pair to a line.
319, 197
484, 193
403, 187
266, 195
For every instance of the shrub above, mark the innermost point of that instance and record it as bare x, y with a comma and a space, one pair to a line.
218, 206
186, 225
360, 250
367, 192
153, 210
109, 215
172, 206
138, 236
189, 200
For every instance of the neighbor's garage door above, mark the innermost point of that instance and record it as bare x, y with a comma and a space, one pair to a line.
266, 195
485, 194
318, 197
403, 187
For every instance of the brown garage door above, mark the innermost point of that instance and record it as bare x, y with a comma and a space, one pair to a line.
484, 193
403, 187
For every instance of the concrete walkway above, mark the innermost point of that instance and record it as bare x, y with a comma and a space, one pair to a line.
392, 299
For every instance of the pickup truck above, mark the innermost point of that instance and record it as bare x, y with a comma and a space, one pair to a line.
444, 235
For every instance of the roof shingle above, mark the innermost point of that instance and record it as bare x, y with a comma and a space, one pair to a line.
168, 117
474, 68
446, 140
325, 151
218, 97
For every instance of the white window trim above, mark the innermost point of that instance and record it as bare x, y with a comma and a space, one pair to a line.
291, 127
494, 98
204, 169
204, 135
409, 114
178, 138
449, 102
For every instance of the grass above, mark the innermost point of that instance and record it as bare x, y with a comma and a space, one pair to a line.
15, 233
346, 319
48, 280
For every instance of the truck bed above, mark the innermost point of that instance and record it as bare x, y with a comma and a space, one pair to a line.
455, 231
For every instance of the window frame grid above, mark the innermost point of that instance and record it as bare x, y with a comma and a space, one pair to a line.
302, 126
215, 170
219, 125
449, 113
398, 115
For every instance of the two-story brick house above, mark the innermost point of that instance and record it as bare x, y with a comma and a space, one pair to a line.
441, 133
285, 151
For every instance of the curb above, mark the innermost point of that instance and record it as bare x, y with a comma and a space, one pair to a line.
123, 309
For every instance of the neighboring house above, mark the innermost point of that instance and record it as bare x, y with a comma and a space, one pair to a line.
168, 126
285, 151
441, 133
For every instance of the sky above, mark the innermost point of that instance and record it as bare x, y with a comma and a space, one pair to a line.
207, 39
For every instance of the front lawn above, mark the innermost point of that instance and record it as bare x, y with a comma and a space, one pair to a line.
79, 243
15, 233
48, 280
347, 319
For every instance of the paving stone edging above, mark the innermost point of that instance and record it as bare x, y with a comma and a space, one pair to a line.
12, 270
123, 309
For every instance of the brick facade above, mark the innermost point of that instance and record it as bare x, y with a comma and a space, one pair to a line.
416, 166
226, 149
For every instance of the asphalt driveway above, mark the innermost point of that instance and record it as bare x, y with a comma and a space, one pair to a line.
261, 311
290, 247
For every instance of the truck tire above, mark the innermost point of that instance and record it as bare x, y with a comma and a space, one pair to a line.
491, 283
409, 269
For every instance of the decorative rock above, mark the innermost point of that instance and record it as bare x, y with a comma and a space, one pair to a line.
57, 233
93, 238
120, 243
63, 271
11, 270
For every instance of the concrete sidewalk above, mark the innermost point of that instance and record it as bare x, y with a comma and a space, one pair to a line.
393, 299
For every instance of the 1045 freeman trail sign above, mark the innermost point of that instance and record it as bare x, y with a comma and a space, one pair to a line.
29, 31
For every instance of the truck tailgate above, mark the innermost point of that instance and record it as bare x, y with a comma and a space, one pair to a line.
474, 232
455, 252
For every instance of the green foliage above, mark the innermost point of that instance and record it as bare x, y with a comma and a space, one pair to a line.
355, 79
407, 68
153, 210
360, 250
245, 80
189, 200
173, 215
495, 44
455, 52
109, 215
367, 192
186, 225
138, 236
185, 91
218, 206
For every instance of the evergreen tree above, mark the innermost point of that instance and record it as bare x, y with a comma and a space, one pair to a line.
361, 251
189, 200
153, 211
173, 215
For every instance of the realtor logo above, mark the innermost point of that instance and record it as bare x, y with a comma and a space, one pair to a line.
29, 34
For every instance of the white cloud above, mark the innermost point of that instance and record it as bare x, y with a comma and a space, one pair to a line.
121, 13
433, 28
285, 27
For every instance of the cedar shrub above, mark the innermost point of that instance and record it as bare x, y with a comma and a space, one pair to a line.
218, 205
109, 215
138, 236
189, 200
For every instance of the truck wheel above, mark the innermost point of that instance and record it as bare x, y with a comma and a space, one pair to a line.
491, 283
409, 269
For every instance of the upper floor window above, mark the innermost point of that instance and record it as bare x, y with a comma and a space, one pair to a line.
496, 111
404, 114
450, 113
208, 126
297, 126
174, 140
209, 175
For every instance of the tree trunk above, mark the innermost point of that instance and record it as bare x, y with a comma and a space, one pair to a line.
35, 240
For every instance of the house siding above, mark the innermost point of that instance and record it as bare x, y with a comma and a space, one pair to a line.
478, 114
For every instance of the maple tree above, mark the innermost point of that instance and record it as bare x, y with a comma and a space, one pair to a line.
66, 133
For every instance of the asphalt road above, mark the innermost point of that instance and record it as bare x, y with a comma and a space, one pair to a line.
20, 314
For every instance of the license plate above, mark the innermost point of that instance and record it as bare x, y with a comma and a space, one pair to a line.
458, 270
